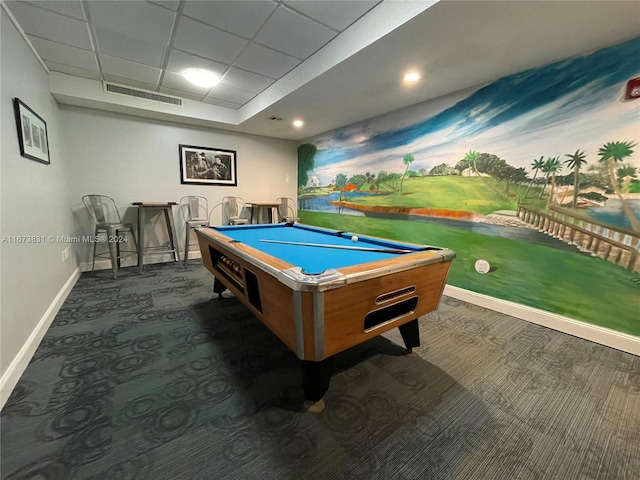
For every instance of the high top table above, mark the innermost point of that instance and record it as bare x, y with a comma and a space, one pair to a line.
167, 209
260, 209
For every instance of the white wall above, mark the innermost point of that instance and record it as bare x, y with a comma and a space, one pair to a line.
132, 159
35, 200
128, 158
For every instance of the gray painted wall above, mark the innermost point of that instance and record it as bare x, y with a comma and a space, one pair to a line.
127, 158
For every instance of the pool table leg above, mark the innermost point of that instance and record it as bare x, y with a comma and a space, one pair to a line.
218, 287
410, 334
315, 383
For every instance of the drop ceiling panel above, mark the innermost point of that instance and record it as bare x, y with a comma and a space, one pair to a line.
68, 69
179, 61
68, 8
264, 61
294, 34
221, 103
139, 20
119, 45
231, 94
248, 81
65, 54
179, 83
181, 94
170, 4
207, 41
327, 13
242, 18
49, 25
126, 69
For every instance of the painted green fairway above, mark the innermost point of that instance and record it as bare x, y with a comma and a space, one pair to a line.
447, 192
577, 286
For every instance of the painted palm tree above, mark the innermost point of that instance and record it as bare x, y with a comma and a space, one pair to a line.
626, 173
471, 157
553, 166
537, 166
610, 153
575, 161
407, 160
547, 174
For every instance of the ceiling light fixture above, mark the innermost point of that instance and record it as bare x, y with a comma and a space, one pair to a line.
201, 77
411, 77
298, 123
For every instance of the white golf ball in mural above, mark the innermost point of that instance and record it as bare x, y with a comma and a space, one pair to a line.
482, 266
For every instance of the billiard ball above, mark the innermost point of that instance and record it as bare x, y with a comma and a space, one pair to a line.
354, 238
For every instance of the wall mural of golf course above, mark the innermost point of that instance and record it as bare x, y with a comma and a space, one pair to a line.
537, 173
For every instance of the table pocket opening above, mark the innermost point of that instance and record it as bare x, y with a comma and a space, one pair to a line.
378, 318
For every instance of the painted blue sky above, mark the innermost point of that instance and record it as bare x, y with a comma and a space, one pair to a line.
549, 111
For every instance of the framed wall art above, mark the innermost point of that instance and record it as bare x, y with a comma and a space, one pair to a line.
207, 166
33, 136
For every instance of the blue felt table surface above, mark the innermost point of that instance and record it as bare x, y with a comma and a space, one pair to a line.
312, 259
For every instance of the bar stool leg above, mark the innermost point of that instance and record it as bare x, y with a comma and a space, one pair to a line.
140, 237
186, 245
113, 251
95, 245
171, 228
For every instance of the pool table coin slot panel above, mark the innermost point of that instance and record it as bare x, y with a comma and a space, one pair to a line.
387, 297
378, 318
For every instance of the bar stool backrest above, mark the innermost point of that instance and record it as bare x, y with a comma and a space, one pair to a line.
194, 208
234, 207
102, 209
287, 209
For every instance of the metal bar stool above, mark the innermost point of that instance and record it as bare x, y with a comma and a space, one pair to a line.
195, 212
105, 215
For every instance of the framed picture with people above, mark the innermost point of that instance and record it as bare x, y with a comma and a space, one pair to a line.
207, 166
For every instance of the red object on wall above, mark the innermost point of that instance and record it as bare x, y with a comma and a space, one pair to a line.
633, 89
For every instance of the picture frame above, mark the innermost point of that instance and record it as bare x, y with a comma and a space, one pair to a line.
33, 136
208, 166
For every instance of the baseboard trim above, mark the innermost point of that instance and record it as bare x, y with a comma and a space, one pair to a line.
21, 361
603, 336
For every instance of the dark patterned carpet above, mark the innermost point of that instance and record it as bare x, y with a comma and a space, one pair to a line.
149, 377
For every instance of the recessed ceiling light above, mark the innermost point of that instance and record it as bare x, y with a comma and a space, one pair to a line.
201, 77
298, 123
411, 77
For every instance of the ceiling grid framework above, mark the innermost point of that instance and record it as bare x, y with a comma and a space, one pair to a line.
329, 63
250, 44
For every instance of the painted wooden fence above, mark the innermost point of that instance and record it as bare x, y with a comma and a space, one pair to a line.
615, 245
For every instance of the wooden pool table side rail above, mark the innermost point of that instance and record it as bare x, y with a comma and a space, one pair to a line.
346, 308
275, 295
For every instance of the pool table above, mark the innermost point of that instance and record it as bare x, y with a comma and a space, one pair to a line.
322, 291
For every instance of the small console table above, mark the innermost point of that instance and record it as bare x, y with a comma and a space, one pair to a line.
167, 209
261, 209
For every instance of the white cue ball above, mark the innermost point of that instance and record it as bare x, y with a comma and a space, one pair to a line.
482, 266
354, 238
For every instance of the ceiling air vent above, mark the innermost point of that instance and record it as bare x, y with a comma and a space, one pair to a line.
134, 92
